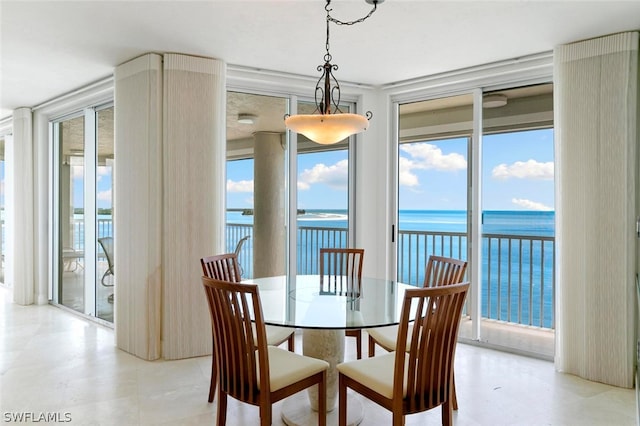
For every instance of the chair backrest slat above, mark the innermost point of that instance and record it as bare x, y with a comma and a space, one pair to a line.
234, 308
444, 271
435, 312
341, 271
223, 267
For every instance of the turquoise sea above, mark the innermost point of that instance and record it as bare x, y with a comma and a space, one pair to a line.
515, 222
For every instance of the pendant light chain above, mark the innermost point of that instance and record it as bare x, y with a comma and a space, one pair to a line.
328, 124
357, 21
339, 22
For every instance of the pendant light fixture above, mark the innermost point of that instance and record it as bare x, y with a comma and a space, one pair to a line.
328, 124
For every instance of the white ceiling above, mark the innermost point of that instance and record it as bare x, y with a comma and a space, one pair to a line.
49, 48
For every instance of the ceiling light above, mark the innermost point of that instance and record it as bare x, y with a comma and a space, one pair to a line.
247, 118
494, 101
328, 124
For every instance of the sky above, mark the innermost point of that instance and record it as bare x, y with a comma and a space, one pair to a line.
103, 182
517, 175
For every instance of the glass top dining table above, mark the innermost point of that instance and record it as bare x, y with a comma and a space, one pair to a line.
303, 301
324, 309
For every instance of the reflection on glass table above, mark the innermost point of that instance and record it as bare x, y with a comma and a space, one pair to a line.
323, 312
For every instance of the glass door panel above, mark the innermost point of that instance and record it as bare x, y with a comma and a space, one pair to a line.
257, 183
518, 234
71, 266
83, 211
2, 211
104, 191
433, 173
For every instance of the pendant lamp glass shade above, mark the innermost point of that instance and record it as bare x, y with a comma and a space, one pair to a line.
327, 129
328, 124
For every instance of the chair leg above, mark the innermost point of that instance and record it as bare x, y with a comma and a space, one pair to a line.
447, 414
265, 413
372, 347
398, 419
322, 400
222, 409
454, 397
214, 379
291, 342
342, 401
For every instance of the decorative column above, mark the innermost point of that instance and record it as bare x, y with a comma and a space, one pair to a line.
269, 231
20, 241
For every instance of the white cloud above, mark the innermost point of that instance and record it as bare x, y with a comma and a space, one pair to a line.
425, 156
406, 176
240, 186
335, 176
430, 157
104, 196
303, 186
530, 205
530, 169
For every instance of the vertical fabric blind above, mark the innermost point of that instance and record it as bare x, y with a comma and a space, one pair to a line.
596, 97
138, 206
193, 171
169, 200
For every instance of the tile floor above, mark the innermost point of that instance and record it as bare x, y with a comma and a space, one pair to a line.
52, 361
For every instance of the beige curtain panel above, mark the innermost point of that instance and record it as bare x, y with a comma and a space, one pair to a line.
596, 100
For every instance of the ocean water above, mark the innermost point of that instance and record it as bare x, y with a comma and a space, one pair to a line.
516, 222
518, 253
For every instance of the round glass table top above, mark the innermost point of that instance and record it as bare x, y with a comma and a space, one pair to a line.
307, 301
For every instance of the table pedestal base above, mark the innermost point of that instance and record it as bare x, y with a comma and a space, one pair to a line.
296, 411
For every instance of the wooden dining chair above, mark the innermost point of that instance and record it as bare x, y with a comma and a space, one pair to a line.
341, 274
249, 369
440, 271
225, 267
407, 382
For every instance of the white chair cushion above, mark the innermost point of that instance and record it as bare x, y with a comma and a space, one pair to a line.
375, 373
287, 367
388, 336
276, 335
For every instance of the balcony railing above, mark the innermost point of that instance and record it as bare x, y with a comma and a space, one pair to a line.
518, 272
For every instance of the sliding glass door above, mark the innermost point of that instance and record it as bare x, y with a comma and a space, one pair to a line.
83, 211
511, 303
